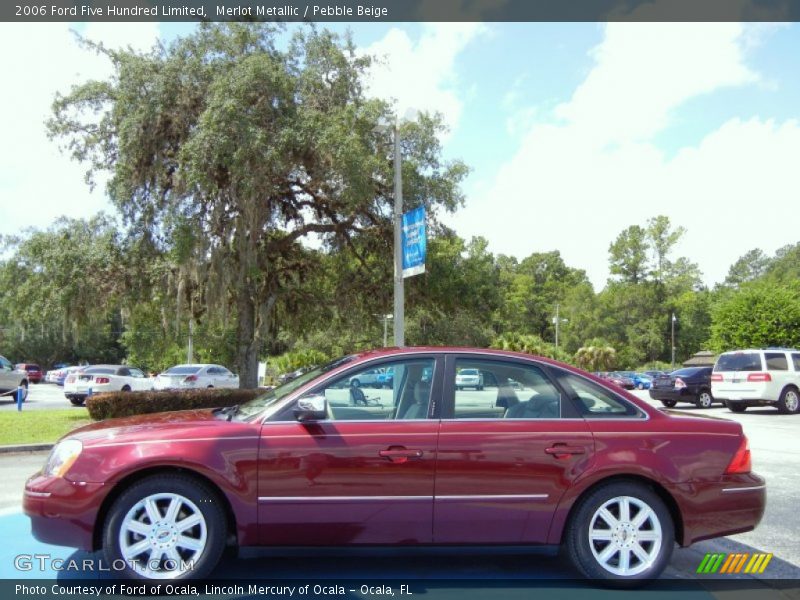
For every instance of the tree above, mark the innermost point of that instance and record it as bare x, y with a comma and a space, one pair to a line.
748, 267
760, 314
596, 355
662, 239
240, 151
628, 255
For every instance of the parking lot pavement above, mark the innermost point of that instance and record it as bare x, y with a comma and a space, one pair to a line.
776, 456
41, 396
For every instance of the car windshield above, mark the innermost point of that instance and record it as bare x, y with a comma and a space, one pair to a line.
270, 401
183, 370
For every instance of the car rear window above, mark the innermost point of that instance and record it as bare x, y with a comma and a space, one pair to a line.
182, 371
688, 372
468, 372
101, 370
776, 361
740, 361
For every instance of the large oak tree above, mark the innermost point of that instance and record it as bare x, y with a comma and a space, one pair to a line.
235, 144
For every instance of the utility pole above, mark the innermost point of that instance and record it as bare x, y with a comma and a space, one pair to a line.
557, 320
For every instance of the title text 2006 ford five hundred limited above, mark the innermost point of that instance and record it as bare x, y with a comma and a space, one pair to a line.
541, 454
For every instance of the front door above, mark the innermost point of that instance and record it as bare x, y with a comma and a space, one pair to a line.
365, 475
507, 452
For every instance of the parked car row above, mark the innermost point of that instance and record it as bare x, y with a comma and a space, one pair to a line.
630, 380
80, 382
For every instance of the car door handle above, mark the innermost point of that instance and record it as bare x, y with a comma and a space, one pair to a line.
399, 454
564, 450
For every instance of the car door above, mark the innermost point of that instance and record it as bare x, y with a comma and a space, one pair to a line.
364, 475
506, 453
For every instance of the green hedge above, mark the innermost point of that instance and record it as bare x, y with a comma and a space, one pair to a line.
126, 404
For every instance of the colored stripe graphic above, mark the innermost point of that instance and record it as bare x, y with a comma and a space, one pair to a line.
734, 563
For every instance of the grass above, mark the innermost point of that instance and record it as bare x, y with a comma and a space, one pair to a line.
39, 426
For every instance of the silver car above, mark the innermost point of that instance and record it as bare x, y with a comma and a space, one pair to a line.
11, 379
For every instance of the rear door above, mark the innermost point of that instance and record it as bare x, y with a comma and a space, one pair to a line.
506, 453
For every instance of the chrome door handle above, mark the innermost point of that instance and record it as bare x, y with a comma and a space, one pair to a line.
399, 455
563, 449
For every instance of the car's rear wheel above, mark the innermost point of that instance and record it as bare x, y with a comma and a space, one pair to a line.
621, 533
789, 402
165, 527
736, 407
669, 403
126, 388
704, 399
76, 401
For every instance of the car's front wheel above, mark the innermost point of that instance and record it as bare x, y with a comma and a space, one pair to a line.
621, 533
165, 527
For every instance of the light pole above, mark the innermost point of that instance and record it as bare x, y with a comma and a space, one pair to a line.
399, 290
385, 319
557, 322
674, 318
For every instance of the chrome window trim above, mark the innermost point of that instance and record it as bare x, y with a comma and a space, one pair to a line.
455, 497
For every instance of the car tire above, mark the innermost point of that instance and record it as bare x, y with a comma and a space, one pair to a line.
669, 403
76, 401
209, 387
789, 402
622, 553
24, 387
736, 407
126, 388
479, 388
704, 399
135, 538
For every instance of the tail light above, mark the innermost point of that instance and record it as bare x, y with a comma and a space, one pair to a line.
740, 463
190, 378
763, 377
101, 380
716, 377
679, 384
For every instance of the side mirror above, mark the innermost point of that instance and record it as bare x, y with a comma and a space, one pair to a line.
311, 408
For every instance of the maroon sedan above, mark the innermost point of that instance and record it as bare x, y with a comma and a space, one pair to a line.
35, 374
543, 454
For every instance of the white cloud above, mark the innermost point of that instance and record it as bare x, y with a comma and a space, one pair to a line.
37, 182
421, 74
575, 183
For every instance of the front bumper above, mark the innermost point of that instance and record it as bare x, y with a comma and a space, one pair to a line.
63, 512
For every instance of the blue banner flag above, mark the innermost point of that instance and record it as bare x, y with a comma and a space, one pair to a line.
414, 242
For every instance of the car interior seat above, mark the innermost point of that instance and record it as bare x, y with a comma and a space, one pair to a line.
419, 410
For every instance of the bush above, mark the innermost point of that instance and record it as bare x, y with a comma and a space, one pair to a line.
126, 404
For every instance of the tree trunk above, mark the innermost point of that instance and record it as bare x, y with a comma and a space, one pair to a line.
247, 342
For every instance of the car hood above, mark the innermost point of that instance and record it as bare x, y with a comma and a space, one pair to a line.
156, 426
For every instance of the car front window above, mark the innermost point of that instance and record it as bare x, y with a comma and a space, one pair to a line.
268, 403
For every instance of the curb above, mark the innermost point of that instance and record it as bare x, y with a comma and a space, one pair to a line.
25, 448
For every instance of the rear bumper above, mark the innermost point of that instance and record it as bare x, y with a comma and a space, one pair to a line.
710, 510
681, 395
63, 512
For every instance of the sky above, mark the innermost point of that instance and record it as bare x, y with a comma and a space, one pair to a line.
573, 132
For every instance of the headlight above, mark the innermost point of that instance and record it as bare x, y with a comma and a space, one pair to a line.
61, 458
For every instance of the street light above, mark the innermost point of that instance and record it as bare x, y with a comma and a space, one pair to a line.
557, 322
674, 319
385, 319
399, 290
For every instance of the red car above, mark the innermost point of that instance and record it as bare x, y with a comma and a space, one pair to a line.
35, 374
544, 454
